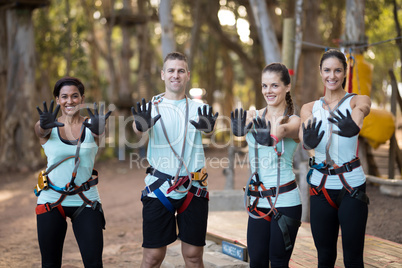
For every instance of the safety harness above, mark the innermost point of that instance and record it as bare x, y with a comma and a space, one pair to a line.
252, 190
328, 167
44, 183
176, 181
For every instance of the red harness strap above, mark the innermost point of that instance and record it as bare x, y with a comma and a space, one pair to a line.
43, 208
194, 191
268, 218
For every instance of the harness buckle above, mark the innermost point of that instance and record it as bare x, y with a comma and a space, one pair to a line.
311, 161
198, 193
95, 205
261, 195
70, 187
150, 170
354, 193
47, 207
273, 190
277, 216
85, 186
348, 167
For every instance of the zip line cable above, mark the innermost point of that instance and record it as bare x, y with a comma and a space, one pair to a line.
355, 47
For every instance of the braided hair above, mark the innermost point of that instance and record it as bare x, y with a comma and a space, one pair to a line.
283, 71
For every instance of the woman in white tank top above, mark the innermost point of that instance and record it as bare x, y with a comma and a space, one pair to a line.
331, 126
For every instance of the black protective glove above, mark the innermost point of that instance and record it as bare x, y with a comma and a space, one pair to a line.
47, 118
347, 127
98, 121
142, 117
263, 134
238, 122
311, 138
206, 121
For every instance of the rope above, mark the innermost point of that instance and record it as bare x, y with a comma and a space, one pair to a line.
359, 46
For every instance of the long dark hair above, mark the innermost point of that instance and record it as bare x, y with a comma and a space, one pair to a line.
334, 53
283, 72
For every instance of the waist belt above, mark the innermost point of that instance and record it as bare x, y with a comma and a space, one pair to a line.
200, 175
346, 167
272, 191
84, 187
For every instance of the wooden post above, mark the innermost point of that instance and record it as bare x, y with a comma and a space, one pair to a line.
229, 172
392, 152
288, 47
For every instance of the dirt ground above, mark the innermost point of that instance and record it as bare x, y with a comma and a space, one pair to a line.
119, 187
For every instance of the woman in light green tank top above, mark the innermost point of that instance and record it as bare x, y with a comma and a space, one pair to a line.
272, 196
68, 186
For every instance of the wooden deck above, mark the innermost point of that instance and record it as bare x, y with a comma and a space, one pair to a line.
231, 226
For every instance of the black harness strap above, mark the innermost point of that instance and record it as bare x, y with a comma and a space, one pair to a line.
284, 222
71, 188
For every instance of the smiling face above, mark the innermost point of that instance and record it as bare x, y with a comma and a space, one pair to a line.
176, 75
69, 100
332, 73
273, 88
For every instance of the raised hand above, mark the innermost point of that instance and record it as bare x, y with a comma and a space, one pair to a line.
47, 118
206, 121
142, 117
311, 138
98, 120
238, 122
347, 127
262, 132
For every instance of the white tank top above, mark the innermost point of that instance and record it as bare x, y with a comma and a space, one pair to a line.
342, 149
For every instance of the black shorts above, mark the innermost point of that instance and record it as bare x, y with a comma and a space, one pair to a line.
159, 224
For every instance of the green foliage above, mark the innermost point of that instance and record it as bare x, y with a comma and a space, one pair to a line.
380, 26
64, 34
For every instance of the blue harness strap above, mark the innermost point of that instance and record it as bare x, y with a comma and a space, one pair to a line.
164, 200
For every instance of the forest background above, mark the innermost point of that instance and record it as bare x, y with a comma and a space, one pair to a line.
116, 47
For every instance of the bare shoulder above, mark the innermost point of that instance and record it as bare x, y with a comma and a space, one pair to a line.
306, 110
361, 103
360, 100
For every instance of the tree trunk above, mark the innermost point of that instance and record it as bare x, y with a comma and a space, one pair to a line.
3, 62
354, 31
126, 54
195, 31
20, 147
94, 54
311, 87
145, 51
166, 20
68, 54
266, 31
112, 93
298, 39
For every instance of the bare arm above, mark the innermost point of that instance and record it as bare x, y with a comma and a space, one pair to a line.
306, 113
288, 130
42, 134
361, 105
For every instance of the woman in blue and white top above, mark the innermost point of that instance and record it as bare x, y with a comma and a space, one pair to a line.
337, 195
274, 212
68, 187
